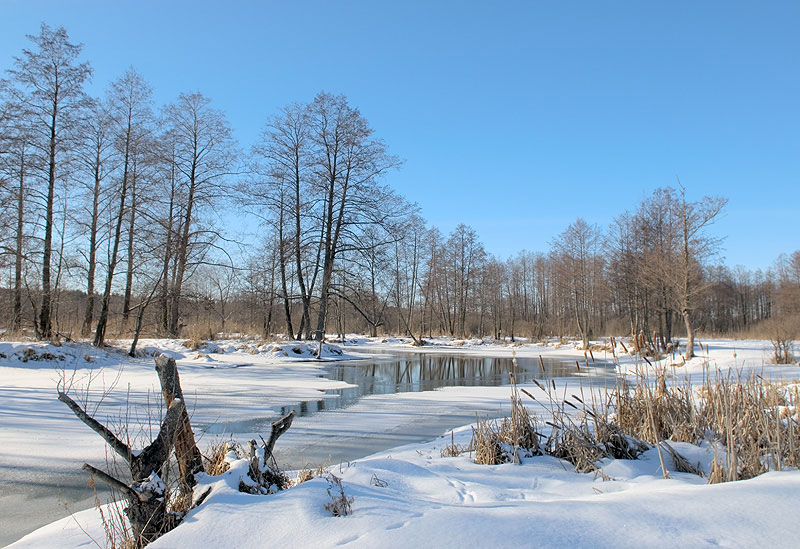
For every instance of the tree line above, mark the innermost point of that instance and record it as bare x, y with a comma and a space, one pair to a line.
110, 218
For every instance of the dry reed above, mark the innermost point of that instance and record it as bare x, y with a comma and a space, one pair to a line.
506, 440
751, 423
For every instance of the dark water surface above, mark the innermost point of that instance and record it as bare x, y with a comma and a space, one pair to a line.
413, 372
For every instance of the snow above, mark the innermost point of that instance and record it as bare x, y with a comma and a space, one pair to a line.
424, 499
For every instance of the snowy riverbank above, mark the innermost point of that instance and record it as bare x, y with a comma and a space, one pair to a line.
439, 501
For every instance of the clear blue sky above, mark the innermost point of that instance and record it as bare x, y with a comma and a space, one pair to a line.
512, 117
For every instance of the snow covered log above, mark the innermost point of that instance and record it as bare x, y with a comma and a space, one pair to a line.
265, 478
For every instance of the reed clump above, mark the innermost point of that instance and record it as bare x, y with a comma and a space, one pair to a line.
672, 409
453, 449
751, 423
306, 473
507, 440
583, 434
755, 420
215, 460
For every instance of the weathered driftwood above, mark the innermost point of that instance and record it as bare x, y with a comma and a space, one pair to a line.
262, 475
146, 495
190, 461
278, 428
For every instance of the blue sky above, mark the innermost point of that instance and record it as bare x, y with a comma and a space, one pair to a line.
512, 117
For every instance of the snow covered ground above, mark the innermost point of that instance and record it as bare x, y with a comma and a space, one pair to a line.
402, 496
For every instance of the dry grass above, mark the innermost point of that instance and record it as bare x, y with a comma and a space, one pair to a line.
340, 505
751, 423
583, 434
578, 434
453, 449
756, 421
655, 413
115, 524
215, 459
506, 440
194, 343
682, 465
305, 474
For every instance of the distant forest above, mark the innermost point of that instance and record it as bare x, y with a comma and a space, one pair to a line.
111, 227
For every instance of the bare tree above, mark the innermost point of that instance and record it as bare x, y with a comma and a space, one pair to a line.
129, 103
368, 280
580, 269
16, 163
318, 167
348, 161
49, 84
96, 157
204, 155
696, 246
409, 262
465, 258
217, 286
283, 185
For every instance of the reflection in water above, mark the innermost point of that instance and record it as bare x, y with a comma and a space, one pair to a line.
422, 372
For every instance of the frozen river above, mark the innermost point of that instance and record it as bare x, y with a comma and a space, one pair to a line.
389, 404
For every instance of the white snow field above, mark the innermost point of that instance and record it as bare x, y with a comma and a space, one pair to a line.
403, 496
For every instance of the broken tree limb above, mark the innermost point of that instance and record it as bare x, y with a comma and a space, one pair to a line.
278, 428
111, 439
146, 496
263, 477
190, 460
111, 481
152, 458
167, 371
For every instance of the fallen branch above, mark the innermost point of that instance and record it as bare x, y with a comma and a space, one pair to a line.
278, 428
111, 439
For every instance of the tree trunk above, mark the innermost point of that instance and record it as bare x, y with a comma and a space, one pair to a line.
305, 321
190, 461
88, 315
17, 319
146, 495
102, 321
45, 326
165, 286
689, 354
126, 304
287, 311
183, 253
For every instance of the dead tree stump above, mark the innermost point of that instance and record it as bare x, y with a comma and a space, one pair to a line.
147, 494
190, 461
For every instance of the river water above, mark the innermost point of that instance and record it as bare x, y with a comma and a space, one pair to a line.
413, 372
26, 503
320, 442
